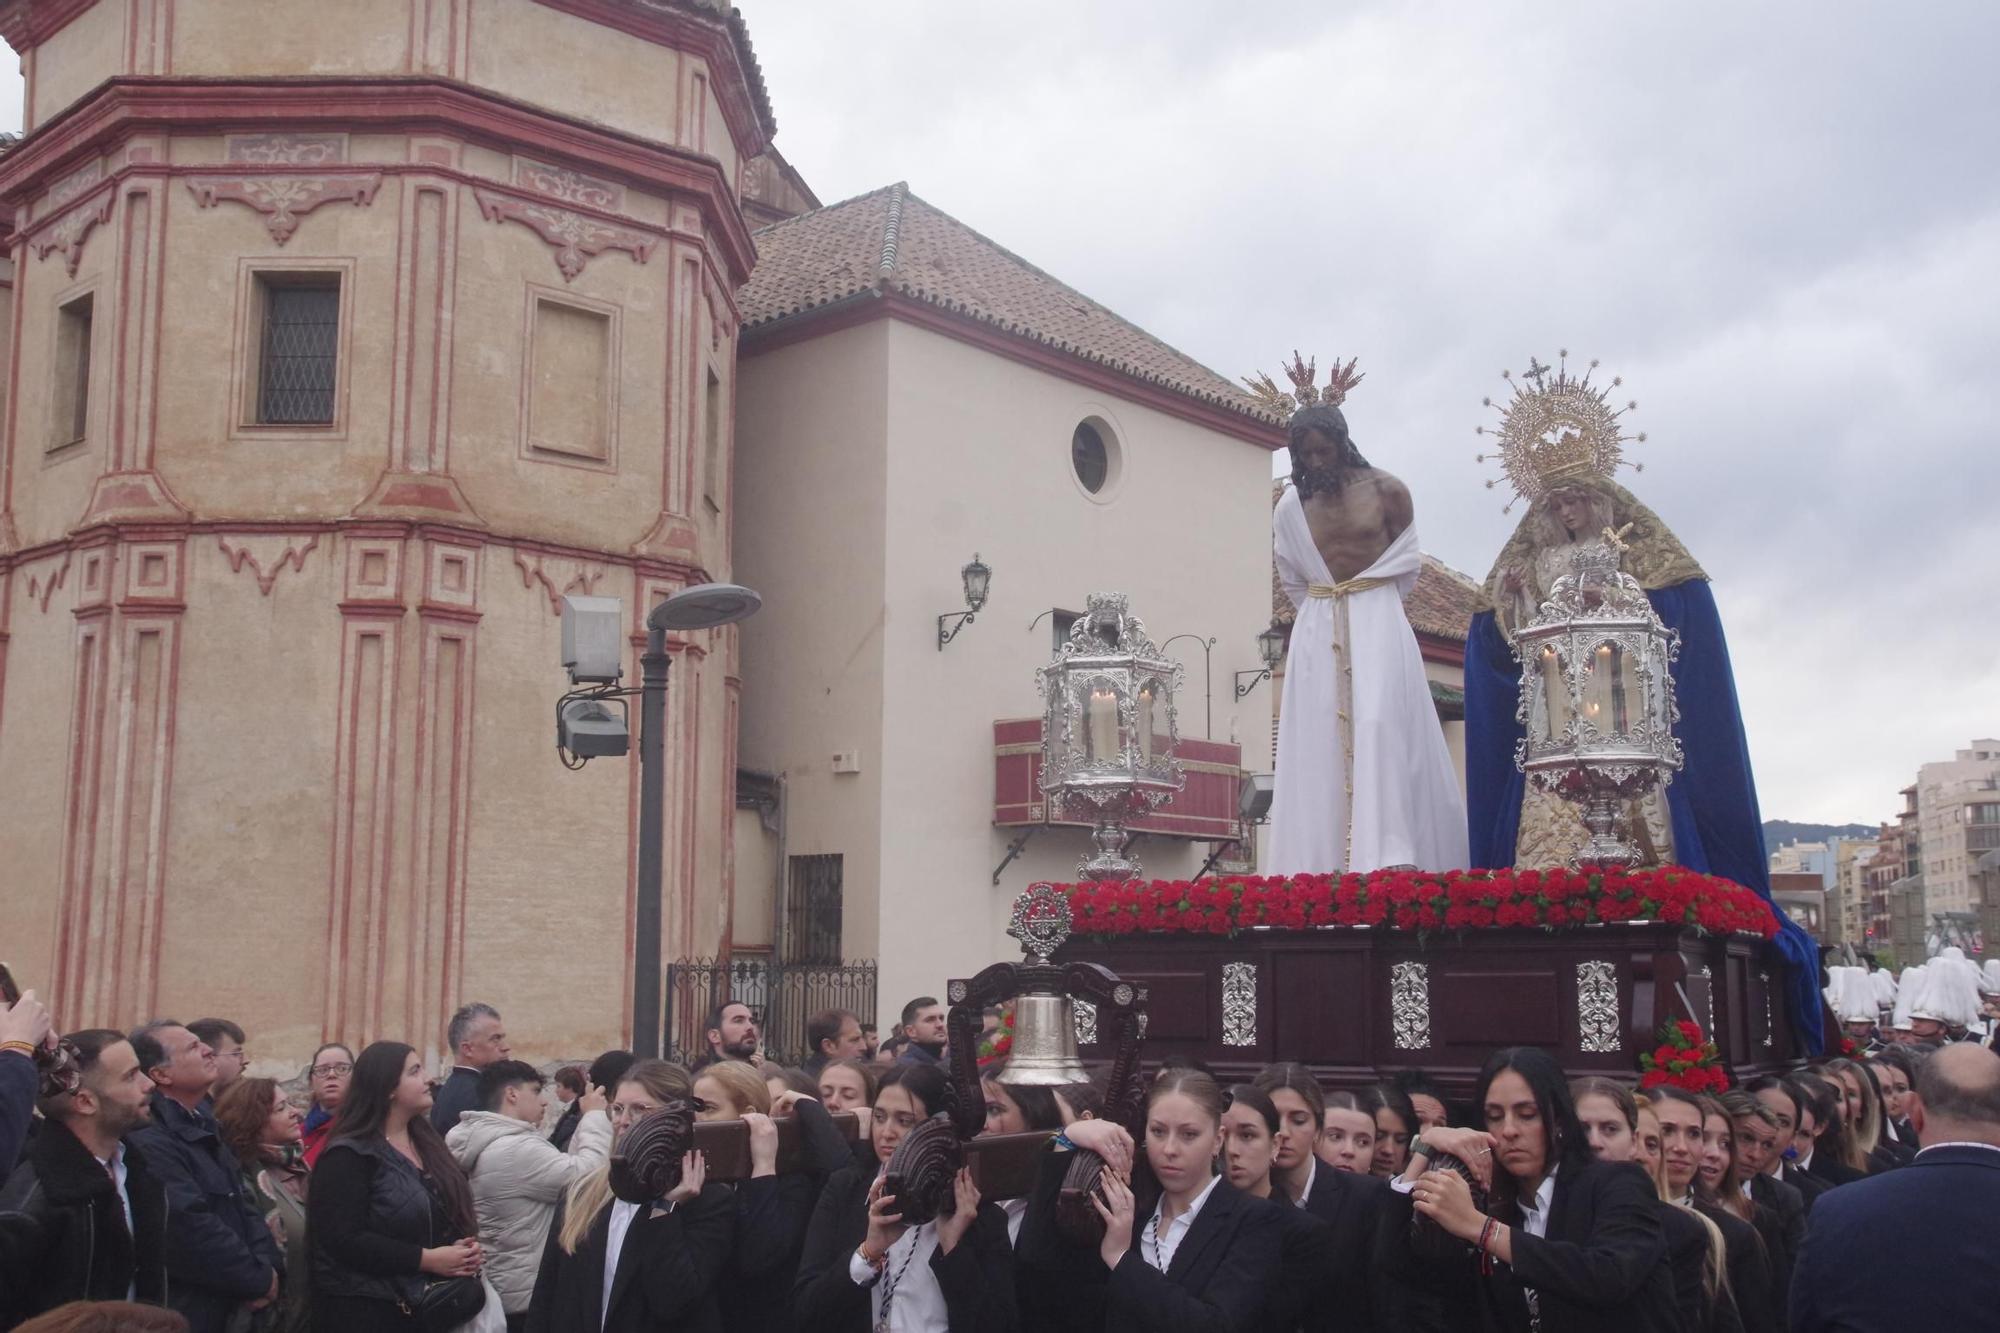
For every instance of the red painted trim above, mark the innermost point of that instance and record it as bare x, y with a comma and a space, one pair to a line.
871, 305
121, 107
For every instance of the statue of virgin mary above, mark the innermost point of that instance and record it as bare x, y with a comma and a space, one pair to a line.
1707, 819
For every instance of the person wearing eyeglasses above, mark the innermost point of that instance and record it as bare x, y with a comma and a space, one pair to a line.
328, 1076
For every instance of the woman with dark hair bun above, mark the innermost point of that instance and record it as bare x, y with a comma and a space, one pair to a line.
1566, 1242
390, 1209
1351, 1204
864, 1268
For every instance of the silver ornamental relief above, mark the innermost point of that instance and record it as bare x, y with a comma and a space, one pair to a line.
1410, 1006
1597, 1006
1040, 921
1765, 979
1239, 1004
1086, 1023
1708, 997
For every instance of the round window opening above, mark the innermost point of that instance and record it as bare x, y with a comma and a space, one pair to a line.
1089, 457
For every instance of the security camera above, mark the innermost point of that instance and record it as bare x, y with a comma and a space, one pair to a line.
592, 729
591, 633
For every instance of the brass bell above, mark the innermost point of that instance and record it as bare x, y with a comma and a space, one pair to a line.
1044, 1050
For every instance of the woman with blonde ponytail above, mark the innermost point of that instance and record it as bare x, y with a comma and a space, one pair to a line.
626, 1267
1695, 1248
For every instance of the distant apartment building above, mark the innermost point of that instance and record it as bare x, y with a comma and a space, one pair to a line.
1801, 858
1958, 821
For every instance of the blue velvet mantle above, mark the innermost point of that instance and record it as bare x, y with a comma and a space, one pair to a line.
1712, 801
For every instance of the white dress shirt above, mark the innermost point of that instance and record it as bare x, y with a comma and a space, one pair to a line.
1157, 1250
1535, 1211
918, 1304
116, 1168
622, 1215
1312, 1170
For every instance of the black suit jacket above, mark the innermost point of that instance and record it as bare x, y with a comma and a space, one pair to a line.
1367, 1297
1750, 1280
977, 1277
666, 1275
1781, 1221
1687, 1256
1600, 1264
1809, 1186
1222, 1276
772, 1213
1935, 1216
1832, 1172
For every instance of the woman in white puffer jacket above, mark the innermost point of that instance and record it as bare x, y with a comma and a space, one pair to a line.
518, 1175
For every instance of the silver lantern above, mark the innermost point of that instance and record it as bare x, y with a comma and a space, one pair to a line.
1597, 698
1109, 729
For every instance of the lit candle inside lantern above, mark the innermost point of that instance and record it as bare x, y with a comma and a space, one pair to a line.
1101, 725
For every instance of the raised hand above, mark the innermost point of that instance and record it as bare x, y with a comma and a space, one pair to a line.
763, 1144
1113, 1202
694, 1174
965, 1207
885, 1222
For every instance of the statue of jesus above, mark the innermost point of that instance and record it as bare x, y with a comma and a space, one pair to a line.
1363, 778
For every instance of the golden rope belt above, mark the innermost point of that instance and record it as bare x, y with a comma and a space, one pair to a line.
1338, 593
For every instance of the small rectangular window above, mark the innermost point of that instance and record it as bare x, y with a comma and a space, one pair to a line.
711, 474
1061, 622
70, 403
297, 353
812, 909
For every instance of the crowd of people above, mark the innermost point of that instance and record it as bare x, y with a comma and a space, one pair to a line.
169, 1190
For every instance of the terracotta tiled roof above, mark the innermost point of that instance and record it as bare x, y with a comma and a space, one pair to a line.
892, 241
1440, 605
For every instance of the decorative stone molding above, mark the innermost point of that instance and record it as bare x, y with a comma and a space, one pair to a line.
575, 238
67, 233
73, 186
548, 572
287, 150
1597, 1005
569, 187
241, 549
1239, 1004
283, 200
1410, 1006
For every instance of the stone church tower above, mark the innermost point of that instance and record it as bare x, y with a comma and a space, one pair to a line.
342, 340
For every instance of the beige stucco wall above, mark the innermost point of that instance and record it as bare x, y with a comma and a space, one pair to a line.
311, 785
884, 457
812, 534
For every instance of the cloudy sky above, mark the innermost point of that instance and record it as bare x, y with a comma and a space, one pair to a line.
1779, 222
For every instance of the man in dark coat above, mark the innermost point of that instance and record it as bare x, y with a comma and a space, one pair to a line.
81, 1218
1934, 1216
221, 1255
477, 1040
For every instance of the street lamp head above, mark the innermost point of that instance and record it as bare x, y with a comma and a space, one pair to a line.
1253, 798
1271, 647
705, 606
978, 577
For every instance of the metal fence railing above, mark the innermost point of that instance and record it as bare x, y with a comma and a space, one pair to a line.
783, 996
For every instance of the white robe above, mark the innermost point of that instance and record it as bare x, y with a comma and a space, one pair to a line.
1406, 805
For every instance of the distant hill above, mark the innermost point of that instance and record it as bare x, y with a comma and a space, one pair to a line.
1778, 832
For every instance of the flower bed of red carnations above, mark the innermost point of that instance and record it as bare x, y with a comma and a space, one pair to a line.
1454, 901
